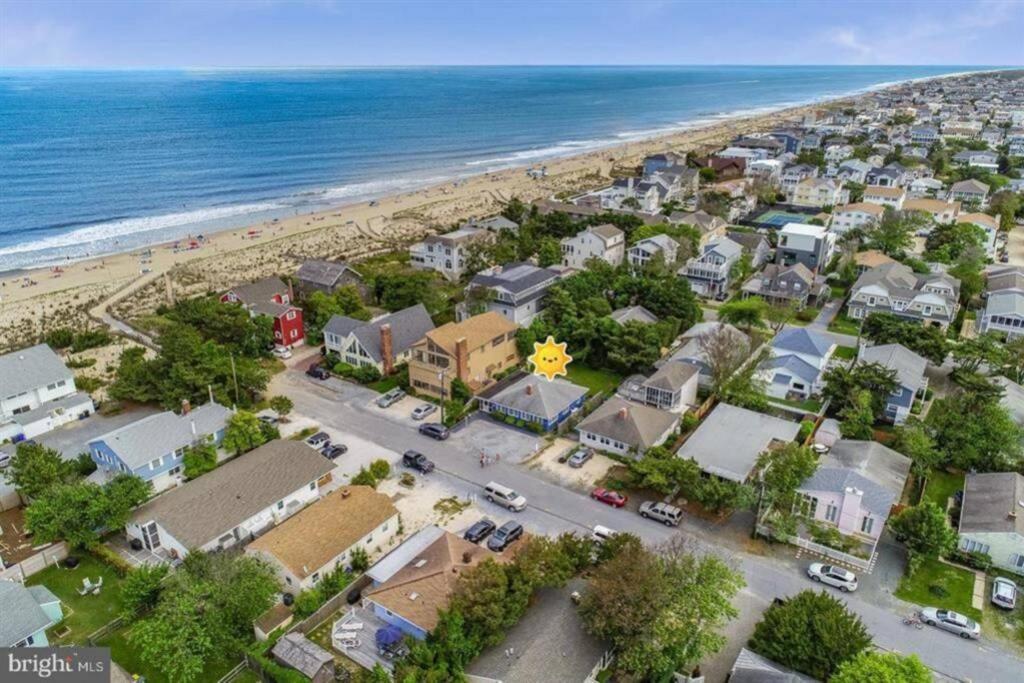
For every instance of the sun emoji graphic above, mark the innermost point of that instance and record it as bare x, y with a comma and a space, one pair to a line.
549, 359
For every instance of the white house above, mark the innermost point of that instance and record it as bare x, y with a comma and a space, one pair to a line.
513, 290
709, 273
992, 518
940, 211
28, 611
819, 192
37, 394
641, 253
1004, 303
885, 196
604, 242
626, 428
232, 504
895, 288
382, 343
988, 224
320, 538
861, 215
798, 359
447, 253
811, 245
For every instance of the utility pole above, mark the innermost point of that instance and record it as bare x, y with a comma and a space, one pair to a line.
234, 376
440, 376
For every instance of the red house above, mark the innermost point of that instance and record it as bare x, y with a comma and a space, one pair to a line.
271, 297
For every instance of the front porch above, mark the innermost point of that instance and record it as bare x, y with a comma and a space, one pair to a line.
351, 632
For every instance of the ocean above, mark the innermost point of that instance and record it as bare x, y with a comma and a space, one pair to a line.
95, 162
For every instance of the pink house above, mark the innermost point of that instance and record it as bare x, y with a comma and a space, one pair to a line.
855, 487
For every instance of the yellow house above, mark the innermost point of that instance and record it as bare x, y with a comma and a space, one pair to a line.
473, 351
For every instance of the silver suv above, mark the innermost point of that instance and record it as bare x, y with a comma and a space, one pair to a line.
669, 515
391, 398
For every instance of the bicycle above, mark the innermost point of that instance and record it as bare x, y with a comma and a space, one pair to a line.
913, 620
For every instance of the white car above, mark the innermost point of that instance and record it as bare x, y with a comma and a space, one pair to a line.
423, 410
282, 352
831, 575
951, 621
1004, 593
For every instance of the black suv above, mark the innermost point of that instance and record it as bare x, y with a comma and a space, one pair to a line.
508, 533
417, 461
317, 372
479, 531
434, 431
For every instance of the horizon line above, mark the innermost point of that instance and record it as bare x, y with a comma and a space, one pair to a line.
299, 67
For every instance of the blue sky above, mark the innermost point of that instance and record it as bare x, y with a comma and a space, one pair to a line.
88, 33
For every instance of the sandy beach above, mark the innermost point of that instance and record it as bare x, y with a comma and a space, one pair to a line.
34, 301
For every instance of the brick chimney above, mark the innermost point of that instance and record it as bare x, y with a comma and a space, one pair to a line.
529, 390
387, 349
186, 407
623, 412
291, 293
462, 359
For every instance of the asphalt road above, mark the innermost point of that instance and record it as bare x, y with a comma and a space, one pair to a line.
553, 508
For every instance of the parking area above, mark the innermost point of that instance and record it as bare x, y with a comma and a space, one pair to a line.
583, 478
501, 442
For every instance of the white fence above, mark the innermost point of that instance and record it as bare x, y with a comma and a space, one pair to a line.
838, 555
47, 556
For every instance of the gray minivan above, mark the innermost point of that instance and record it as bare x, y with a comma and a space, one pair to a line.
504, 496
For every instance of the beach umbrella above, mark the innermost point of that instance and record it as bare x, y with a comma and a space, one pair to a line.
389, 635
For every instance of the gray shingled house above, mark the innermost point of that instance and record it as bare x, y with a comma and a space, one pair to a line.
992, 518
382, 343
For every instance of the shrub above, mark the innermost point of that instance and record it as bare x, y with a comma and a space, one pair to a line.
359, 561
975, 560
282, 405
364, 478
806, 315
84, 464
380, 469
407, 480
806, 427
307, 602
106, 555
88, 384
90, 339
79, 363
60, 338
343, 369
141, 589
365, 374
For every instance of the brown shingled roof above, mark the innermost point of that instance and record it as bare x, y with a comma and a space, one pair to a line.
477, 331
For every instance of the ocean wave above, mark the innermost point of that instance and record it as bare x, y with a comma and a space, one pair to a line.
375, 188
131, 227
558, 149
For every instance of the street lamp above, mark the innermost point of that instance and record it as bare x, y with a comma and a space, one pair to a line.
440, 376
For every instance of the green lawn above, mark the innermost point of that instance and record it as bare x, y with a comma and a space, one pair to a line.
844, 325
83, 614
385, 384
595, 380
845, 352
130, 659
941, 485
940, 585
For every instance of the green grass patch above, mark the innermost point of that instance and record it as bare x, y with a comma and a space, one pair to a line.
941, 486
845, 352
809, 405
384, 384
130, 659
83, 614
936, 584
595, 380
839, 291
844, 325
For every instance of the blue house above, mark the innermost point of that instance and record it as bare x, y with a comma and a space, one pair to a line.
416, 579
533, 399
154, 447
910, 378
27, 612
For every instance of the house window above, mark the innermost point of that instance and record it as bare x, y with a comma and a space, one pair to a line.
312, 486
866, 525
290, 315
316, 577
1017, 561
974, 546
288, 580
831, 512
280, 505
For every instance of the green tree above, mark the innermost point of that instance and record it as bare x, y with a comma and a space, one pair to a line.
1005, 204
947, 242
894, 233
927, 341
358, 560
35, 469
549, 253
925, 530
974, 432
744, 313
913, 440
282, 405
242, 433
141, 589
784, 470
882, 667
71, 512
970, 353
660, 611
858, 417
123, 493
199, 459
811, 632
175, 639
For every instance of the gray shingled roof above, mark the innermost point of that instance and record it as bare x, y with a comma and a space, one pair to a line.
730, 439
408, 326
30, 368
324, 273
908, 365
801, 340
22, 614
630, 423
206, 508
1005, 303
671, 376
790, 365
537, 396
1013, 398
514, 277
877, 470
260, 291
634, 313
751, 667
993, 502
901, 281
145, 440
302, 654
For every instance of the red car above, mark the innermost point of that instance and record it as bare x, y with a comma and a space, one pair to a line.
609, 497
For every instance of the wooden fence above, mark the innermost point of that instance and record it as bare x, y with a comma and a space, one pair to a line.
47, 556
852, 560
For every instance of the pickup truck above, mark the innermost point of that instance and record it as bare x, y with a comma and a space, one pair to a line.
417, 461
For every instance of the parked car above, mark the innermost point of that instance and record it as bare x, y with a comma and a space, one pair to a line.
580, 456
434, 430
317, 372
506, 535
5, 459
269, 419
669, 515
504, 496
334, 452
602, 533
390, 398
417, 461
282, 352
319, 440
830, 575
424, 410
951, 621
1004, 593
480, 531
609, 497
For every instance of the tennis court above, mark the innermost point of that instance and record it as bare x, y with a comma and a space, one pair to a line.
775, 218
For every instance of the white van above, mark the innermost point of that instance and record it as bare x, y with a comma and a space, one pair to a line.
602, 533
504, 496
